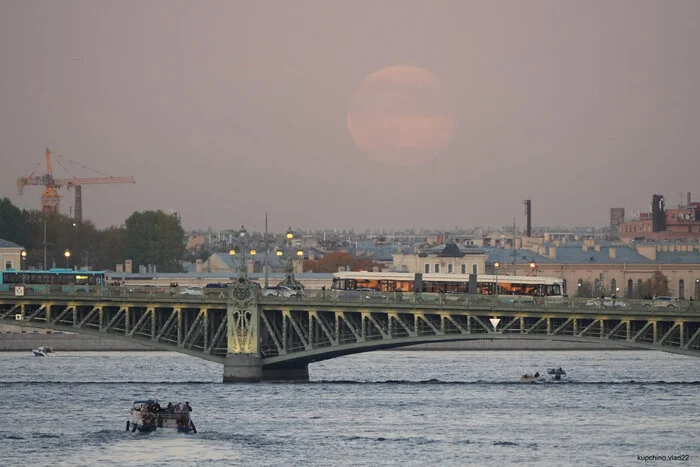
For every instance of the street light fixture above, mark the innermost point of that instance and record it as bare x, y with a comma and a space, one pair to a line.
289, 279
23, 258
67, 255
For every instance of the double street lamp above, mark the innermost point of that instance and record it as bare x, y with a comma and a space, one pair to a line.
289, 279
232, 252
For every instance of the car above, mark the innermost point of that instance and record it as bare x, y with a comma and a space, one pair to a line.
663, 302
606, 302
192, 290
282, 291
215, 288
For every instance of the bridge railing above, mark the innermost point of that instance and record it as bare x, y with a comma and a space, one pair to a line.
468, 301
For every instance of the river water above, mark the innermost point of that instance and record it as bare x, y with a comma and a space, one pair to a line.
408, 408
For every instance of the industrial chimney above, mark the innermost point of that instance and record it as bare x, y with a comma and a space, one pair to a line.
528, 217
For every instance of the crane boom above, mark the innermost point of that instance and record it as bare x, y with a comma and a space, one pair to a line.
50, 198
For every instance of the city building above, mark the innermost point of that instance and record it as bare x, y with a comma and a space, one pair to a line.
10, 255
681, 223
442, 259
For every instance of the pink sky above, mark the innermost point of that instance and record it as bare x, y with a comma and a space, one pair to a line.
226, 109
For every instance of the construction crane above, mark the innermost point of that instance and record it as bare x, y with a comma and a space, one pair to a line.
50, 198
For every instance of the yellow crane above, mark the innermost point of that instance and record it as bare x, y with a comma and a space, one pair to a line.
50, 199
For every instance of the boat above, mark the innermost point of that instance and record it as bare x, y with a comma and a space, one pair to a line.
147, 416
43, 352
556, 375
533, 378
551, 375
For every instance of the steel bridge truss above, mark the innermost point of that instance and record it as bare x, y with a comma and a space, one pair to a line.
299, 333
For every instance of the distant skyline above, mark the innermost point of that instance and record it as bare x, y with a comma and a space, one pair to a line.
224, 110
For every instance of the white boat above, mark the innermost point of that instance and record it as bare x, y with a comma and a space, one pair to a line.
147, 415
43, 352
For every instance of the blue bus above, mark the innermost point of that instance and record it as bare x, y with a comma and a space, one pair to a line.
53, 280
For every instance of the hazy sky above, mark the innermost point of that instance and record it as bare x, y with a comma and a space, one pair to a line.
225, 109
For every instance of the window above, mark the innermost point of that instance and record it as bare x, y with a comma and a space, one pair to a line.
639, 288
427, 268
630, 288
437, 268
596, 287
449, 268
613, 287
681, 289
563, 286
8, 265
464, 269
474, 269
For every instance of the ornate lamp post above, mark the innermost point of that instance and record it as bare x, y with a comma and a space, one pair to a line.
67, 255
23, 259
289, 279
495, 267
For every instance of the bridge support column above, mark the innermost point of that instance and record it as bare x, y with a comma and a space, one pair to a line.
300, 373
242, 368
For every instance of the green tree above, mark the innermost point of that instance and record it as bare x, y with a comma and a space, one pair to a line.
154, 237
111, 248
12, 226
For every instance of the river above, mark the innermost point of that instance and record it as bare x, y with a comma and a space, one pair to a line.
409, 408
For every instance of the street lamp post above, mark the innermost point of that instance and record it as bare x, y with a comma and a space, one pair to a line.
495, 267
289, 280
697, 289
23, 259
67, 255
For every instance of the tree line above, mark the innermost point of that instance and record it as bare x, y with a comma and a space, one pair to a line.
146, 238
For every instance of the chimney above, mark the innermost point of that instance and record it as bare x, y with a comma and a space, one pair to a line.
612, 253
688, 199
128, 264
120, 268
552, 253
596, 247
584, 247
198, 265
528, 217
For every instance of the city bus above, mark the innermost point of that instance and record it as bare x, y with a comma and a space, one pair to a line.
533, 286
52, 280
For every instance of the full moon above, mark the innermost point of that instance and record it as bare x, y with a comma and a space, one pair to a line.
400, 115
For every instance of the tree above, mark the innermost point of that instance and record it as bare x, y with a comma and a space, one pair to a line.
112, 248
656, 285
12, 226
154, 237
585, 290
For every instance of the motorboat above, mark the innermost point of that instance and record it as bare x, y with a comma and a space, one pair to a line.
147, 416
556, 375
43, 352
551, 375
533, 378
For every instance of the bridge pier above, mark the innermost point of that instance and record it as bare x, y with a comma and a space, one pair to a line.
242, 368
246, 368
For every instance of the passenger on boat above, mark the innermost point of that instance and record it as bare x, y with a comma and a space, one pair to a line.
170, 408
537, 375
188, 406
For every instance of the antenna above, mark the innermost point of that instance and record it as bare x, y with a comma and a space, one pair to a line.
513, 248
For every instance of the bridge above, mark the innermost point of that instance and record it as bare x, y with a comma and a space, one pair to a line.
273, 338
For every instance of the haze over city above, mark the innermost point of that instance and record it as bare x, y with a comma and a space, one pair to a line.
361, 114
